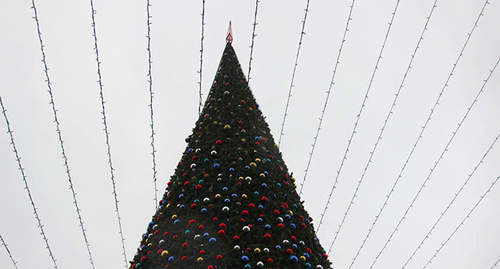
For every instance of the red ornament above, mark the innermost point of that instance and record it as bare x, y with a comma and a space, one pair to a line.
236, 238
185, 244
276, 212
191, 222
218, 257
183, 258
218, 142
202, 252
144, 259
270, 260
245, 213
222, 225
201, 227
221, 232
267, 236
289, 251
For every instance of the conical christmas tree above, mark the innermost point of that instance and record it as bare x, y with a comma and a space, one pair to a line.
231, 202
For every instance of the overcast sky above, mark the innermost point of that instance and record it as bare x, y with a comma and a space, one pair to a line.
175, 41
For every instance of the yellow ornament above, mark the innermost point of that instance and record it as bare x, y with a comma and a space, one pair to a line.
302, 258
227, 127
200, 259
217, 195
256, 250
150, 244
252, 164
174, 216
164, 253
244, 196
258, 160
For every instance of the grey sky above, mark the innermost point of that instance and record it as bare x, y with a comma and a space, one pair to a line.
176, 28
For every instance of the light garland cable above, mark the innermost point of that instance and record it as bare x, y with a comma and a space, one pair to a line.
325, 105
495, 264
462, 222
59, 134
151, 96
428, 119
253, 40
7, 249
408, 68
26, 187
432, 169
104, 122
302, 33
200, 72
358, 116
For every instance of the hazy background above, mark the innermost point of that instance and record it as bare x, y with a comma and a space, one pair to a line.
175, 37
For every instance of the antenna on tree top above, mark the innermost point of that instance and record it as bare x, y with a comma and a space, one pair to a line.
229, 37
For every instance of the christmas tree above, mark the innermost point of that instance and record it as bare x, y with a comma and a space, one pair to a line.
231, 202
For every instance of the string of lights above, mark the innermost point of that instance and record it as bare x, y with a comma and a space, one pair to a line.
495, 264
462, 222
7, 249
427, 121
26, 187
59, 134
393, 105
151, 96
358, 116
325, 105
253, 39
106, 132
200, 72
302, 33
433, 168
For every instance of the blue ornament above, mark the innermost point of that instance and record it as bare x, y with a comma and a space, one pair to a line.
294, 246
225, 189
212, 240
260, 220
267, 226
278, 247
151, 224
171, 258
245, 259
234, 195
203, 210
227, 200
231, 169
181, 196
264, 185
205, 234
216, 165
176, 221
294, 259
261, 206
